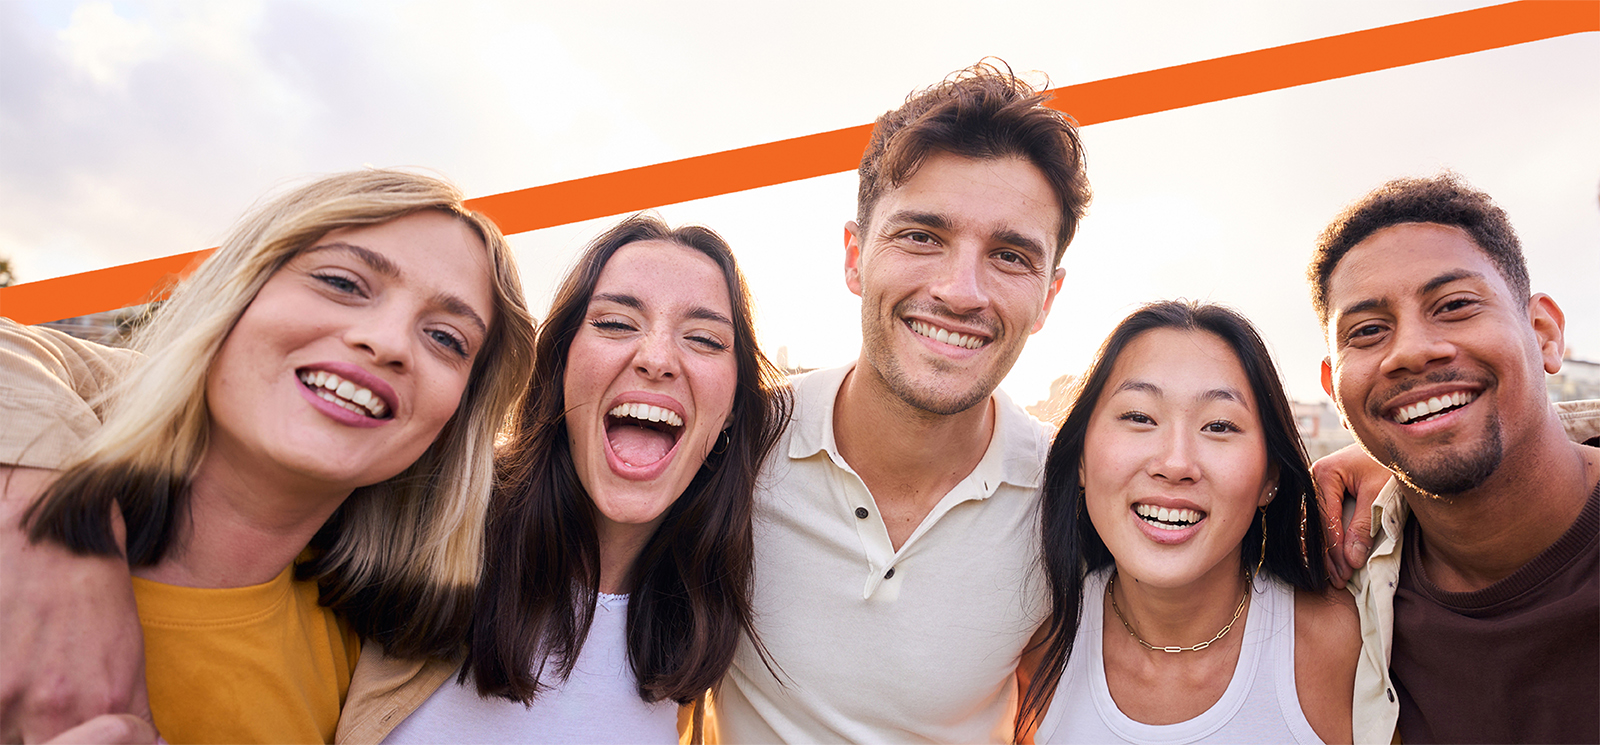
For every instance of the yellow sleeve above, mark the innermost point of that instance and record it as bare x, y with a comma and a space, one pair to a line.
50, 386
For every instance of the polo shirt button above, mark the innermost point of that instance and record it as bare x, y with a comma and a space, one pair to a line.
1390, 691
861, 512
889, 574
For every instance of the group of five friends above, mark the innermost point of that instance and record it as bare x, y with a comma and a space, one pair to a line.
887, 551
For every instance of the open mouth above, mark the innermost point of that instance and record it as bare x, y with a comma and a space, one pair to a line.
641, 434
340, 392
1422, 411
1168, 519
965, 341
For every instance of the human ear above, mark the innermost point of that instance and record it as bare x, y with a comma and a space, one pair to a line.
1049, 298
1549, 329
1327, 378
1269, 489
852, 257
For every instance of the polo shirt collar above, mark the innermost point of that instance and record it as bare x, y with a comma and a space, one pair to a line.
1016, 451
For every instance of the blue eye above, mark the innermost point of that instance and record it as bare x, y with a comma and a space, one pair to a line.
449, 341
339, 282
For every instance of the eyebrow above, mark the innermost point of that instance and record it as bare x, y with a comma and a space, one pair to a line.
699, 312
1447, 278
1427, 288
1215, 394
940, 222
452, 304
382, 265
377, 261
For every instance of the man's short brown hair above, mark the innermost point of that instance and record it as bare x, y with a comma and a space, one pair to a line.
980, 112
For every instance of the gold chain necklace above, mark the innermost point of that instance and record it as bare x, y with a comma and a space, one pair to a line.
1110, 583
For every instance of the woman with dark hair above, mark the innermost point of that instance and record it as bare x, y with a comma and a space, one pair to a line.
616, 583
1181, 546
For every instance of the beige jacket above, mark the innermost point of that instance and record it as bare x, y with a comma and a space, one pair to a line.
50, 388
385, 690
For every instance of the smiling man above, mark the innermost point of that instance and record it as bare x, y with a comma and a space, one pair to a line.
895, 532
1481, 602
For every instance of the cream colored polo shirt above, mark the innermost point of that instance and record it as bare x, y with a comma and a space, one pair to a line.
875, 645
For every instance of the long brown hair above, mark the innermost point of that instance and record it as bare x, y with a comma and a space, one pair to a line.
690, 597
1069, 543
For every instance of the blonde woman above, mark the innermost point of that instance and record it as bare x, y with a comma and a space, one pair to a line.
303, 457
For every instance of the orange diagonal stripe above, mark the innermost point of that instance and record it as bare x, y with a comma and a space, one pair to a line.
825, 153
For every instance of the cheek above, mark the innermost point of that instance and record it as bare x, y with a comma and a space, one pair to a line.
717, 386
438, 398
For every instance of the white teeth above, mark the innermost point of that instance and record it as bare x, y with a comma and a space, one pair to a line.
332, 388
1167, 519
648, 413
948, 337
1433, 405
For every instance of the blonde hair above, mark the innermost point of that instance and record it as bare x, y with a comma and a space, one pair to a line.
409, 547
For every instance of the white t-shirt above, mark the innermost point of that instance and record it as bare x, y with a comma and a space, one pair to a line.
599, 703
927, 653
1261, 703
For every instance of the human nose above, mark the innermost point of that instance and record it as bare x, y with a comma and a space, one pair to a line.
1176, 461
959, 283
656, 357
384, 334
1414, 347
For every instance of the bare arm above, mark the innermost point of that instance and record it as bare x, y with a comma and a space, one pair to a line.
1327, 644
69, 630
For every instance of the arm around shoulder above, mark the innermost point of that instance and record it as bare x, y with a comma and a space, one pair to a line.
69, 629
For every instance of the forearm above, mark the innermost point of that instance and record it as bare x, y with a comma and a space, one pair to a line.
69, 629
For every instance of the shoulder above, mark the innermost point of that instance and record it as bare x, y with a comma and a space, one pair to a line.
1328, 618
1327, 645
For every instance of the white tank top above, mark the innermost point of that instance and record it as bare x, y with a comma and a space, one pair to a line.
599, 703
1260, 705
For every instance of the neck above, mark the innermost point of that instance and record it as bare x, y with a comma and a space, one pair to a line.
901, 451
1479, 537
243, 527
1181, 616
620, 546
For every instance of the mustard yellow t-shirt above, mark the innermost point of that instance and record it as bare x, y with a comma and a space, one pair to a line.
260, 664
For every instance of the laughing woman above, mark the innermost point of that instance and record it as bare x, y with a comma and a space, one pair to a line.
616, 584
303, 456
1182, 548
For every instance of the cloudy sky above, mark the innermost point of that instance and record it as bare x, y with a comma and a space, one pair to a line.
133, 130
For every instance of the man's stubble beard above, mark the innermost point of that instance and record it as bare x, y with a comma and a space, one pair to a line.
1444, 475
875, 345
